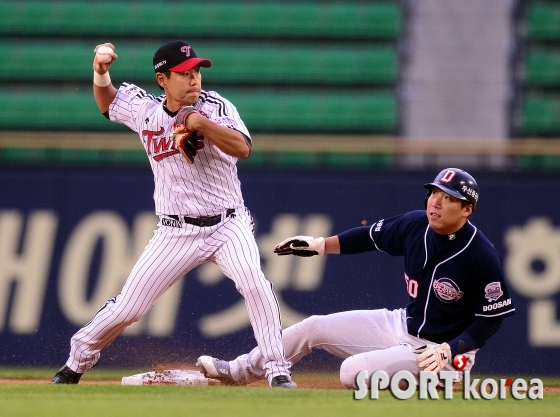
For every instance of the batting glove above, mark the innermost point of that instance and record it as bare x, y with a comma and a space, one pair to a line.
301, 246
433, 358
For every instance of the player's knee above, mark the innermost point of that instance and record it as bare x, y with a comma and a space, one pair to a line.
123, 314
348, 372
311, 332
315, 327
254, 287
314, 322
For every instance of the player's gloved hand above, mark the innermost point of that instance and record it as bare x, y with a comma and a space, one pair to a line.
433, 358
301, 246
188, 143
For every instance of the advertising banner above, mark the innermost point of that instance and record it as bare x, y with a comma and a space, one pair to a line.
70, 236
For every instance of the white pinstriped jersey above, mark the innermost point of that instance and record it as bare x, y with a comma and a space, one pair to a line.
205, 188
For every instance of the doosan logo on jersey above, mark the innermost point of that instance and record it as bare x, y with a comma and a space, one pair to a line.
493, 291
496, 306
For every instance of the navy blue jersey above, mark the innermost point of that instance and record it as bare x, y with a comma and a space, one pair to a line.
450, 279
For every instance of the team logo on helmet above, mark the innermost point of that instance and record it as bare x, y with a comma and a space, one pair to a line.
448, 176
493, 291
187, 50
447, 291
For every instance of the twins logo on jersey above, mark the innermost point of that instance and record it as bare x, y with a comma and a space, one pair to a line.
447, 291
162, 147
493, 291
159, 147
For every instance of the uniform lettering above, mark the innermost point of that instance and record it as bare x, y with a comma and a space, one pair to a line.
159, 64
150, 134
171, 222
496, 306
447, 291
226, 121
131, 91
162, 145
470, 191
411, 286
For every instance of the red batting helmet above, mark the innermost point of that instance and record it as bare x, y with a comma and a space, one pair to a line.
457, 183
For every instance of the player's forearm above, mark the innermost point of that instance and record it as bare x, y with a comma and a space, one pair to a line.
104, 96
332, 245
475, 336
103, 90
355, 240
229, 141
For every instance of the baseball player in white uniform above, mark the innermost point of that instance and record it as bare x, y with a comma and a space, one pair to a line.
454, 280
198, 200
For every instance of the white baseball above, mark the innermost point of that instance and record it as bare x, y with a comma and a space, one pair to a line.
103, 54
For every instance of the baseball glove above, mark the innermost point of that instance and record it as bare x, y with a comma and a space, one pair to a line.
187, 142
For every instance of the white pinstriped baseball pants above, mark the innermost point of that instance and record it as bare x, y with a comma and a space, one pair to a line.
170, 254
369, 340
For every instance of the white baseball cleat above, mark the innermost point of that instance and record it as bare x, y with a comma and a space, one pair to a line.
215, 368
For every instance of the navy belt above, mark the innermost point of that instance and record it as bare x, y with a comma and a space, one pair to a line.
203, 221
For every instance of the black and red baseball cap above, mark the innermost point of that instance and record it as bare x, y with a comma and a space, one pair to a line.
177, 56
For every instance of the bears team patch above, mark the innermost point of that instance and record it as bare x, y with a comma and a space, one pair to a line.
447, 291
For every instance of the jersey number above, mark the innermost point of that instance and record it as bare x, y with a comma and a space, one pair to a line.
411, 286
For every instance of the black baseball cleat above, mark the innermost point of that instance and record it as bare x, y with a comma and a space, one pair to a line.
282, 381
66, 375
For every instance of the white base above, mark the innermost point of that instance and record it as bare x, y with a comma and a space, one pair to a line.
169, 377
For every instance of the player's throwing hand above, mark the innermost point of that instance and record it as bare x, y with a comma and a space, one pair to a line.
104, 57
